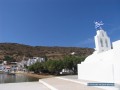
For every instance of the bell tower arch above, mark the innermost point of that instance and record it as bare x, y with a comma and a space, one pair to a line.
102, 41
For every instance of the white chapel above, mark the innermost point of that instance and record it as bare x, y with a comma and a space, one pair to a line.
104, 64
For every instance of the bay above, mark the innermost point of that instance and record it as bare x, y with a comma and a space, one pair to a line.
5, 78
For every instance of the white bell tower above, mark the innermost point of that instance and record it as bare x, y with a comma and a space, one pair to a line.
102, 41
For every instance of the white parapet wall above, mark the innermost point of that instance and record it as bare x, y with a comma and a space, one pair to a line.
100, 72
102, 67
116, 44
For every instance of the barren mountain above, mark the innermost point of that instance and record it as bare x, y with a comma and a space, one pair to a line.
21, 51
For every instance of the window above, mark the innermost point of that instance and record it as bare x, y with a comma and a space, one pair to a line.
102, 34
106, 43
101, 42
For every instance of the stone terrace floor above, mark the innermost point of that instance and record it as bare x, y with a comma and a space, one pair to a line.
54, 83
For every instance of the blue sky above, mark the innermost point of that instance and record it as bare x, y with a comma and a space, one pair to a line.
57, 22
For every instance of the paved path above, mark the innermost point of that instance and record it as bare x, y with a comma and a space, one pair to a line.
55, 83
60, 84
74, 78
23, 86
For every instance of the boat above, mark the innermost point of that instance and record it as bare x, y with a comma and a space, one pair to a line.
11, 73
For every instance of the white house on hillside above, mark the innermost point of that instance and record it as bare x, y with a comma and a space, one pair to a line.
34, 60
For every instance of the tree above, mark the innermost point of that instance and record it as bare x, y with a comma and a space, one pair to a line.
9, 59
54, 66
70, 62
1, 62
31, 67
37, 67
77, 60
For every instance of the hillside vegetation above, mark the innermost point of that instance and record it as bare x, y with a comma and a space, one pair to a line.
20, 51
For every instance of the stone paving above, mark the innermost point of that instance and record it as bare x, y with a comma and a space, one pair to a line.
54, 83
60, 84
23, 86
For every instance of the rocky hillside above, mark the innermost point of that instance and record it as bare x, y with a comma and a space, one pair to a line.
20, 51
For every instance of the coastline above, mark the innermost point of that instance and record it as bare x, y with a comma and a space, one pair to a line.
40, 76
